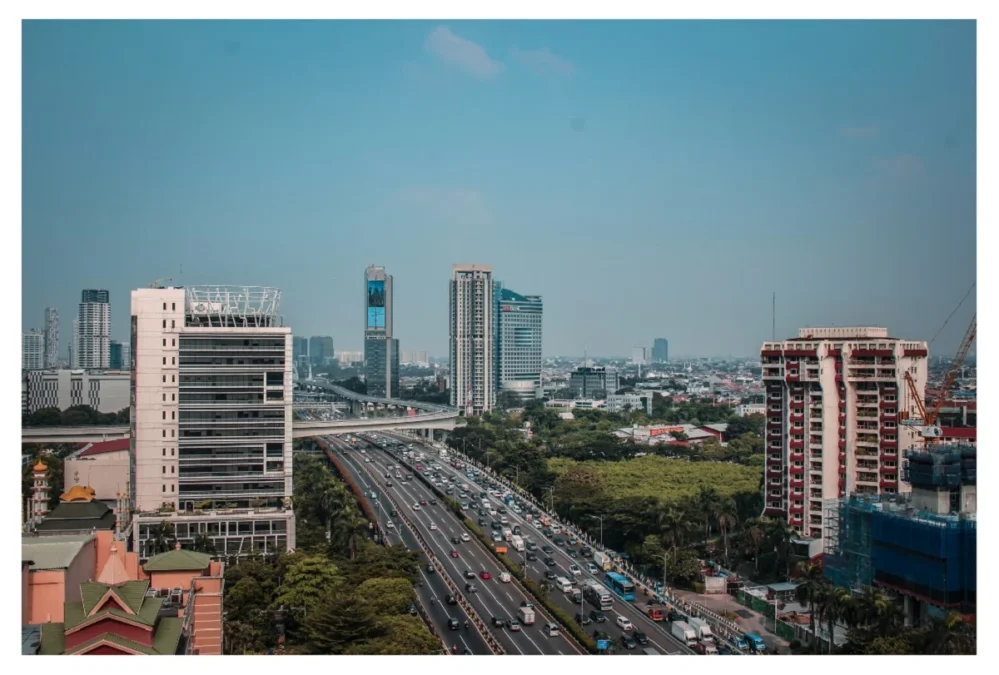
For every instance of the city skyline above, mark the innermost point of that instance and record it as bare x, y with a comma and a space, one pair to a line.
676, 175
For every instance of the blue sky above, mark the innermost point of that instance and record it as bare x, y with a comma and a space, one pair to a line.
649, 179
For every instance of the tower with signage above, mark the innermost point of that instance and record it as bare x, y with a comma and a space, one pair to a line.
381, 350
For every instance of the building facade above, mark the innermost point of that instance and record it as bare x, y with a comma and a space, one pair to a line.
211, 417
51, 338
518, 330
472, 338
618, 403
381, 350
593, 381
117, 362
94, 330
320, 350
660, 350
32, 350
74, 344
639, 356
835, 398
104, 391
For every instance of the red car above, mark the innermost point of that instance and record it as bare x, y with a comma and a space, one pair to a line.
485, 575
423, 502
454, 553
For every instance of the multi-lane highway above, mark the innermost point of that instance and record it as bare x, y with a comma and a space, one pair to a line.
440, 528
657, 633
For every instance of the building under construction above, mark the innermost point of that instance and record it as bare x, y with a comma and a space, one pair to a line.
921, 545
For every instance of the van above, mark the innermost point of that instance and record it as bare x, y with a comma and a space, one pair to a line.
563, 584
550, 629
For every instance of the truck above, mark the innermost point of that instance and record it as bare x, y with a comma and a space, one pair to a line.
702, 628
682, 631
603, 561
518, 543
655, 611
545, 520
526, 615
507, 534
597, 595
756, 643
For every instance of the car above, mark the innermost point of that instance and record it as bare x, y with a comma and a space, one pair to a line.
501, 510
454, 553
531, 546
464, 536
497, 536
624, 623
598, 616
482, 522
583, 620
393, 513
628, 642
497, 525
453, 624
513, 625
390, 525
430, 569
450, 599
455, 540
469, 574
572, 541
482, 512
433, 526
531, 555
558, 541
592, 569
416, 507
547, 549
485, 575
433, 502
550, 629
550, 561
367, 460
640, 637
464, 506
572, 553
497, 622
551, 576
527, 603
575, 570
423, 502
470, 588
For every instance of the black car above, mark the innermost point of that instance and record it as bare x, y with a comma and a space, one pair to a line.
547, 549
640, 637
550, 561
497, 525
525, 603
482, 512
469, 574
501, 510
455, 540
558, 541
430, 569
628, 642
583, 620
497, 622
482, 522
450, 599
453, 624
551, 576
532, 556
470, 588
586, 551
572, 553
433, 502
393, 513
598, 617
531, 546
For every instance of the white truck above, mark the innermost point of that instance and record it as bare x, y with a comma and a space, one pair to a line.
702, 628
603, 561
518, 543
682, 631
526, 615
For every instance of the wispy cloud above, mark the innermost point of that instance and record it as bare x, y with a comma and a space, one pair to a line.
457, 205
901, 166
462, 53
544, 62
860, 132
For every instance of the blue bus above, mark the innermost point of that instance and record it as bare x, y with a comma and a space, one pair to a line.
620, 585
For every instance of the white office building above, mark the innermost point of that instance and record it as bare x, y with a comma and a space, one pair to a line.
618, 403
212, 417
639, 356
32, 350
104, 391
93, 332
472, 339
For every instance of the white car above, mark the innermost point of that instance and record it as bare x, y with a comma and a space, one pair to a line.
416, 507
433, 526
389, 525
624, 624
367, 460
591, 568
464, 536
575, 570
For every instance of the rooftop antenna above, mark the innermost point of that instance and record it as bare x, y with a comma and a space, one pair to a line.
159, 283
773, 318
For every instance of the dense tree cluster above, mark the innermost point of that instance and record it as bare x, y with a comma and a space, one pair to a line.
76, 416
338, 593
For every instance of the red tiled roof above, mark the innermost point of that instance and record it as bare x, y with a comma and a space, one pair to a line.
960, 432
117, 445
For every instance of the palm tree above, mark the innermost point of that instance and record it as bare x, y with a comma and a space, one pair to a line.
874, 609
203, 544
707, 504
835, 604
810, 591
672, 522
727, 519
755, 534
952, 635
780, 534
161, 538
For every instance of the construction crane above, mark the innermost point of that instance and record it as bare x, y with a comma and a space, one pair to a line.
928, 418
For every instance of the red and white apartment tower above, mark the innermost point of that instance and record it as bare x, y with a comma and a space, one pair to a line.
834, 399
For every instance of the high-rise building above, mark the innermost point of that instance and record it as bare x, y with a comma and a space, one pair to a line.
660, 350
94, 332
381, 350
116, 356
51, 338
472, 338
300, 350
518, 342
211, 417
593, 381
638, 356
835, 398
321, 350
32, 350
74, 345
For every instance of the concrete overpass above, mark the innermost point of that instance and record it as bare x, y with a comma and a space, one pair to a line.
433, 417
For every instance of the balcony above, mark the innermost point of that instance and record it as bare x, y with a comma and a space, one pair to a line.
796, 509
797, 482
772, 373
887, 444
796, 444
888, 457
773, 509
775, 471
888, 483
798, 418
888, 404
889, 416
775, 494
773, 424
842, 443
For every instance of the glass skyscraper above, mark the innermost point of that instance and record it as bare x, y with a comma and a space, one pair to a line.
660, 350
518, 320
381, 350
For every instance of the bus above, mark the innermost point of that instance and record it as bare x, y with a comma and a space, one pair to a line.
620, 585
597, 595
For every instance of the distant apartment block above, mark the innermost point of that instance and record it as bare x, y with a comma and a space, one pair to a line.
639, 356
746, 409
32, 350
834, 399
660, 350
472, 338
104, 391
618, 403
93, 346
593, 381
51, 338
